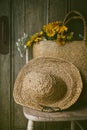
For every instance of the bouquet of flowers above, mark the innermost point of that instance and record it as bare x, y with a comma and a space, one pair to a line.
56, 31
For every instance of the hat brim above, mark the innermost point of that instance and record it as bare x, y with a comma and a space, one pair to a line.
58, 67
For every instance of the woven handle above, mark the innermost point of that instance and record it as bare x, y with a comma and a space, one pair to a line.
77, 15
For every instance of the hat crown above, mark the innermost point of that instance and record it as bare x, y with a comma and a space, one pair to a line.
43, 87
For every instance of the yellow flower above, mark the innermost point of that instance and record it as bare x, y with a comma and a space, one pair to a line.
28, 43
62, 29
61, 36
38, 39
60, 42
55, 26
35, 38
41, 33
52, 31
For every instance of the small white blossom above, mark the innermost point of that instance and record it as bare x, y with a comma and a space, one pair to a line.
21, 44
17, 43
25, 46
18, 40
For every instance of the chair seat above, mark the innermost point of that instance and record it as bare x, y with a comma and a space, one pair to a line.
35, 115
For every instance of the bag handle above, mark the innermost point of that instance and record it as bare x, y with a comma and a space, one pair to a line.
77, 15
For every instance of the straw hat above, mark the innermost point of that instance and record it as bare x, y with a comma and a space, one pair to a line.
47, 84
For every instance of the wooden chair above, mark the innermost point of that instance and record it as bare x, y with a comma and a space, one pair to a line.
72, 116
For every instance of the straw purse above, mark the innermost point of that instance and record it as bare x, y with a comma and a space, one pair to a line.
75, 52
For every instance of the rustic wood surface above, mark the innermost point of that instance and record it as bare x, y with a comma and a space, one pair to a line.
34, 115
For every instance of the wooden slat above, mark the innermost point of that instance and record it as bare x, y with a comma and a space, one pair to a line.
4, 77
57, 10
18, 21
34, 115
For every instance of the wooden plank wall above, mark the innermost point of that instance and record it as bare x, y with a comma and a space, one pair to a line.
27, 16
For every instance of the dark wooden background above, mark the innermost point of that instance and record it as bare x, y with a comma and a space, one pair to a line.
27, 16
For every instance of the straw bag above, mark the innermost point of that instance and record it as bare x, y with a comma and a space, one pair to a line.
75, 52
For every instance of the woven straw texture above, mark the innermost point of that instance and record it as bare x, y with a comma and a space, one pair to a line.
75, 52
48, 84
